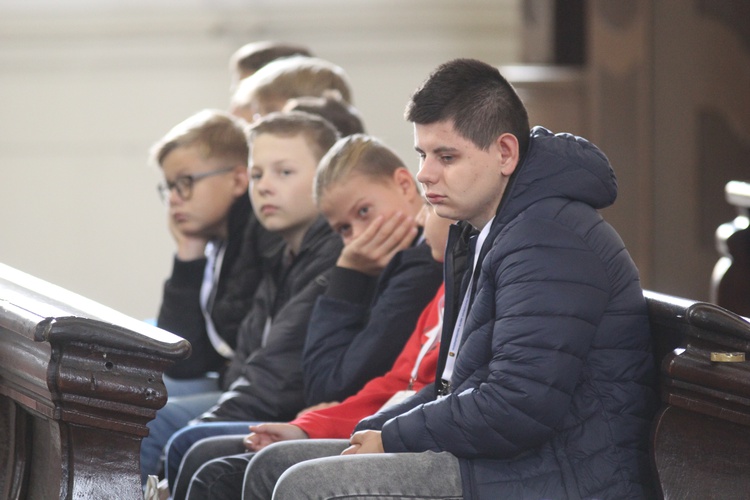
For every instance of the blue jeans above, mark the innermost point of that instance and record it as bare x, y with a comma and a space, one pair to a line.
315, 469
182, 440
179, 387
174, 416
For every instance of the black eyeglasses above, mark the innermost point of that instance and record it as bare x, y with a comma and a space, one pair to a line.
184, 184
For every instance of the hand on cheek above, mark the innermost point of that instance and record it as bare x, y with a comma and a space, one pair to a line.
371, 251
188, 247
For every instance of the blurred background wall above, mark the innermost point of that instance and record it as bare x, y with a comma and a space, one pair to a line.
86, 86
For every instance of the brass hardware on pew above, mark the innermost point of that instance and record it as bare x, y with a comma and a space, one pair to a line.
727, 357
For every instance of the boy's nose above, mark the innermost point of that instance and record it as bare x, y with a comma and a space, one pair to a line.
426, 173
174, 197
262, 185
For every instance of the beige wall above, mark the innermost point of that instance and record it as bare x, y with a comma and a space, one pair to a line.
85, 90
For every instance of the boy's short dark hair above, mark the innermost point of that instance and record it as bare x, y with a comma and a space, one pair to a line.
252, 56
330, 106
479, 101
215, 133
317, 131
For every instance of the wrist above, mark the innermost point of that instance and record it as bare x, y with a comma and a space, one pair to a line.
301, 434
344, 261
370, 268
191, 251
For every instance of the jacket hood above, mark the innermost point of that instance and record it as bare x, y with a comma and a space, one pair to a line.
559, 166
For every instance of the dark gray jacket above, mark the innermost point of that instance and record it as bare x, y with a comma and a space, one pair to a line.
264, 380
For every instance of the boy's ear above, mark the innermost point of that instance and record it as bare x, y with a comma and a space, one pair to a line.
507, 149
241, 180
405, 182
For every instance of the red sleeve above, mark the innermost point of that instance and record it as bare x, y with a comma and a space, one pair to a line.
339, 421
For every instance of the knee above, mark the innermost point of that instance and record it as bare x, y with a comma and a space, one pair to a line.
273, 457
212, 472
264, 470
268, 465
302, 480
181, 441
218, 479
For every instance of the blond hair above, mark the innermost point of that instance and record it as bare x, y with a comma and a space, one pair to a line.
215, 133
357, 153
318, 132
296, 76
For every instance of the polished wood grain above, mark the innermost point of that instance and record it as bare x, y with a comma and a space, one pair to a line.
78, 384
701, 436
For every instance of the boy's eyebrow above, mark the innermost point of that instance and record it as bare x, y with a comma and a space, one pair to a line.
353, 207
275, 163
348, 210
438, 150
351, 210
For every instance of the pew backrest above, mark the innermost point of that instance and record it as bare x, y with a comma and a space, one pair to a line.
701, 436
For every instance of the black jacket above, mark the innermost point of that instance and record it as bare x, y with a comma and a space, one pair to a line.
264, 380
362, 323
249, 248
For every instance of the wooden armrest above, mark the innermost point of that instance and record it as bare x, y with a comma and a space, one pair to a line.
78, 384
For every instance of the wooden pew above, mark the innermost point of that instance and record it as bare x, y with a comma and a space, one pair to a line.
701, 435
78, 383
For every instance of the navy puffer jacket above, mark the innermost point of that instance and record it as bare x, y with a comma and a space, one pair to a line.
553, 387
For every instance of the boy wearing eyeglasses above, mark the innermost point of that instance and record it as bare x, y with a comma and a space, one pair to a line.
220, 246
264, 379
